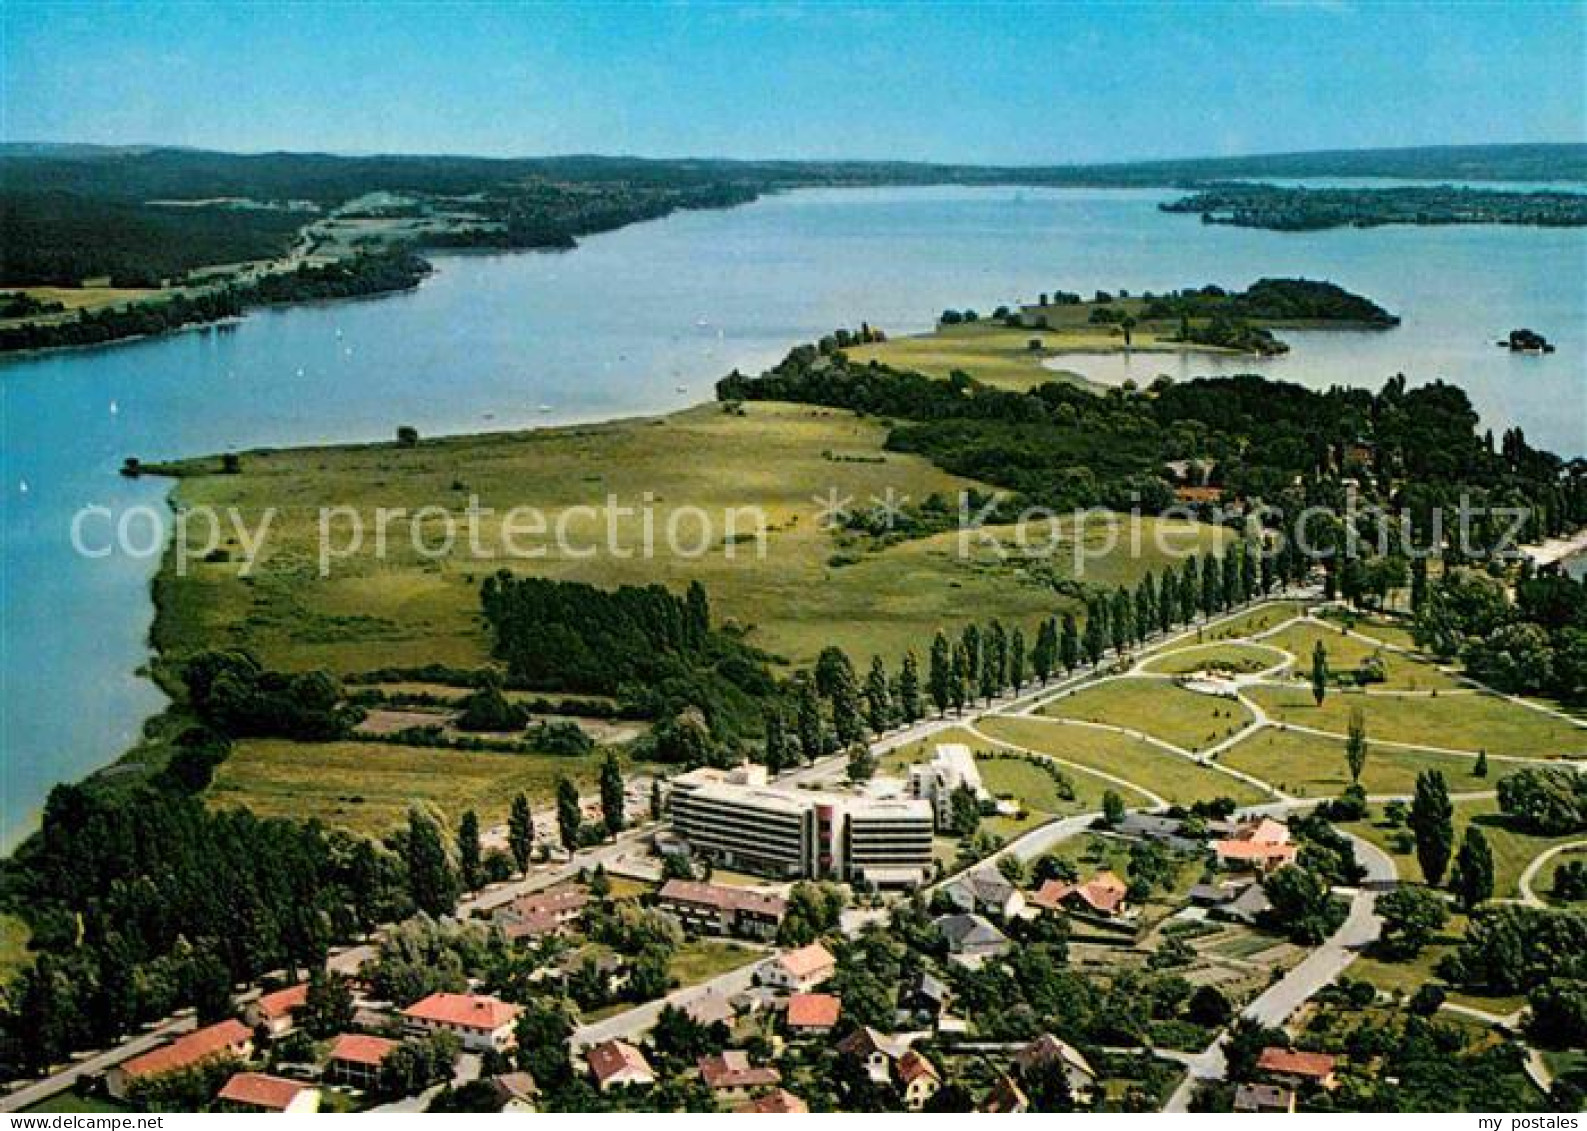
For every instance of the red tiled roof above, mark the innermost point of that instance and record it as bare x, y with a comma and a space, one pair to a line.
465, 1011
912, 1066
358, 1048
1289, 1062
732, 1069
1251, 850
255, 1089
779, 1102
1005, 1097
722, 897
1104, 892
201, 1044
813, 1011
283, 1002
807, 960
1198, 494
1264, 831
610, 1058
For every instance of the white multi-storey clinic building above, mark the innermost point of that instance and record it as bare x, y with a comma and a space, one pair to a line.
740, 820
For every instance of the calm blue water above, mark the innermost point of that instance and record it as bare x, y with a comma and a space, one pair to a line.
613, 327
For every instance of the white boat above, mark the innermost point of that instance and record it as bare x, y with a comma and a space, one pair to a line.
680, 388
545, 408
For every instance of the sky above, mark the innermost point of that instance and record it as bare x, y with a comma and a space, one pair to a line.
975, 82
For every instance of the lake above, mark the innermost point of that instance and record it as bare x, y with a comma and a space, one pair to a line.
616, 326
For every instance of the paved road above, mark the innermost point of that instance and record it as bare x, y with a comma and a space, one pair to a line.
1279, 1001
632, 1022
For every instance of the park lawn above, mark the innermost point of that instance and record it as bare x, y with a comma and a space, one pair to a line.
83, 298
1346, 654
1406, 976
1241, 658
1256, 620
1157, 707
1003, 776
1178, 779
1473, 722
1543, 883
792, 592
1388, 630
1513, 849
368, 786
14, 954
704, 959
1310, 765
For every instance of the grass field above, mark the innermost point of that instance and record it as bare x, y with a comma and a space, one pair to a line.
82, 298
1309, 765
75, 1103
1242, 658
1379, 628
1013, 777
1543, 884
704, 959
1000, 355
1168, 775
1346, 654
14, 956
1256, 620
1454, 722
368, 786
1156, 707
1513, 849
406, 609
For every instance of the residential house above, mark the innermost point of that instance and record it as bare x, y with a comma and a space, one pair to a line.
1265, 1098
801, 970
1048, 1054
616, 1064
273, 1012
1005, 1098
1260, 846
1296, 1068
731, 1076
971, 939
918, 1079
482, 1024
924, 997
710, 1008
812, 1014
356, 1059
777, 1102
254, 1091
987, 890
226, 1038
1164, 830
516, 1092
716, 909
1104, 896
875, 1051
1247, 907
542, 913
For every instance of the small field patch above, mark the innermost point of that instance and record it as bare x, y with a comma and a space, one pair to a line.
1156, 707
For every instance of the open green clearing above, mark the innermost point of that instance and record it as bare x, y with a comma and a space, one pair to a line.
1167, 775
14, 956
1011, 776
368, 786
1156, 707
75, 1103
1255, 620
1513, 849
1454, 722
1346, 654
1242, 658
704, 959
1310, 765
773, 461
991, 353
1386, 629
1543, 882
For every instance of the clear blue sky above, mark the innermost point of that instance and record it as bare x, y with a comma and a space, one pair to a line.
972, 82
